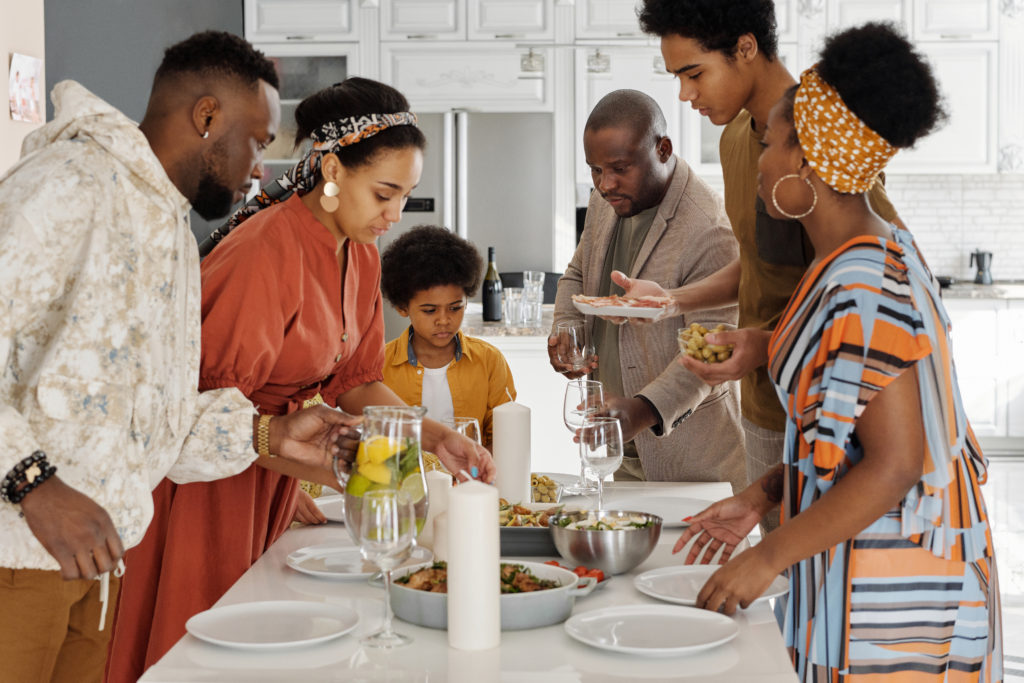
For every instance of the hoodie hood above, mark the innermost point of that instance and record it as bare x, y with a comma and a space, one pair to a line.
80, 115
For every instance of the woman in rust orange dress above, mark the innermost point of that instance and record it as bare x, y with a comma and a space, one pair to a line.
292, 314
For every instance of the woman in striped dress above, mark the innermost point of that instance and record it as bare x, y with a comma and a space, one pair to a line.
885, 533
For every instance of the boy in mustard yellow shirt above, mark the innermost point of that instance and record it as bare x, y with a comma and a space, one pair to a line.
427, 275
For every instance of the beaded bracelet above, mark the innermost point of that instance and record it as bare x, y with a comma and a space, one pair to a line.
31, 471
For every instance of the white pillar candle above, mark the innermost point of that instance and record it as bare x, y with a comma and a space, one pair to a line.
441, 537
474, 560
438, 485
512, 451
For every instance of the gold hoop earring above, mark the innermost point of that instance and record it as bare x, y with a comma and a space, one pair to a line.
329, 199
791, 216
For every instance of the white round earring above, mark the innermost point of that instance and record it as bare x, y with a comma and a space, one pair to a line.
329, 199
206, 134
791, 216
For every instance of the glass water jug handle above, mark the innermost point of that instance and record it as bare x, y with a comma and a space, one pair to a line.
340, 474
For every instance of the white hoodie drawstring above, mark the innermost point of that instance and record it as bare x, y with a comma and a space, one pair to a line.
104, 580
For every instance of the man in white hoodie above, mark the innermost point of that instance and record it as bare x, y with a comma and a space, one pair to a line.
99, 341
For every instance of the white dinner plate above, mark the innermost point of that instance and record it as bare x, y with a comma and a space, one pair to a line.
681, 585
333, 507
272, 624
671, 510
619, 311
344, 563
652, 630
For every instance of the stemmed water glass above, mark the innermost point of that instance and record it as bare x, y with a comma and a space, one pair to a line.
387, 530
583, 398
601, 449
571, 347
467, 426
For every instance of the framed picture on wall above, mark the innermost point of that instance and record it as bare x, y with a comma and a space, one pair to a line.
23, 88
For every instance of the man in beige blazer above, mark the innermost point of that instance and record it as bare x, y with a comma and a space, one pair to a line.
651, 217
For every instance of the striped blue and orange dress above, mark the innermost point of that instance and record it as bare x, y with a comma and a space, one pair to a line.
915, 595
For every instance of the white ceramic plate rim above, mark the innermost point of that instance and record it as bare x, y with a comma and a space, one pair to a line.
329, 501
619, 311
200, 624
779, 586
691, 614
659, 505
420, 555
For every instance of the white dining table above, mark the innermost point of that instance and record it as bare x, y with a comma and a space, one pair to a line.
540, 655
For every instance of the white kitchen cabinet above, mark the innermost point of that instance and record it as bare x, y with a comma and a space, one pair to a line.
542, 390
462, 19
955, 20
1013, 343
487, 78
604, 69
843, 14
510, 20
300, 20
607, 19
423, 20
967, 78
985, 365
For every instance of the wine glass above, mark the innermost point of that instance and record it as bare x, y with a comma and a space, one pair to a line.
583, 397
467, 426
387, 530
601, 449
572, 348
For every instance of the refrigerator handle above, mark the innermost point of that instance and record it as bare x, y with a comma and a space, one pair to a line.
448, 200
462, 174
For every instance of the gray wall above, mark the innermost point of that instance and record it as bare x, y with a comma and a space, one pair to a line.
113, 47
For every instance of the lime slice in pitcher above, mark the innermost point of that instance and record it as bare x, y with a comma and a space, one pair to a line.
412, 487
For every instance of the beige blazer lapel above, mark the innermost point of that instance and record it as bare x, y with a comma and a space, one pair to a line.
666, 210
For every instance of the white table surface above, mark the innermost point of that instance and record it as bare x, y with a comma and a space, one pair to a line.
544, 655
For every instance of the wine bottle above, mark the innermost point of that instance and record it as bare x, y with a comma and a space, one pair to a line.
491, 293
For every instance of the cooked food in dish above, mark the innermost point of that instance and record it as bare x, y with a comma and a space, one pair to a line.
595, 522
515, 578
615, 300
518, 515
544, 489
692, 343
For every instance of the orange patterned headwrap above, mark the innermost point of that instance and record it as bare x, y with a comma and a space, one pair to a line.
841, 149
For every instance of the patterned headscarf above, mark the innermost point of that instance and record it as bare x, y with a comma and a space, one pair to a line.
303, 176
842, 149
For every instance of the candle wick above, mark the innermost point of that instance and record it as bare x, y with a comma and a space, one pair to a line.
466, 475
509, 394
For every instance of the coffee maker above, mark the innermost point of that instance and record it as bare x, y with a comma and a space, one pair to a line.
983, 259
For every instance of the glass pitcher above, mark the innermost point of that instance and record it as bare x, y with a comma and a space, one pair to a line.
389, 457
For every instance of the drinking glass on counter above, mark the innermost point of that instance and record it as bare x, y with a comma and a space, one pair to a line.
387, 530
601, 449
583, 398
571, 346
533, 297
512, 302
467, 426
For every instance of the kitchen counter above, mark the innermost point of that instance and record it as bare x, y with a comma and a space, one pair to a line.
473, 324
997, 290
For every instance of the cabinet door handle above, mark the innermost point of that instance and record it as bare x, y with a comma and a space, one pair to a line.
298, 37
508, 36
628, 34
421, 36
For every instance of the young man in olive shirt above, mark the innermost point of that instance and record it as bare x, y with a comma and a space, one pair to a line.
724, 53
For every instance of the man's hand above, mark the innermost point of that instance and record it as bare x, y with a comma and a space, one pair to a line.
459, 453
73, 528
311, 436
750, 351
726, 522
634, 289
566, 368
634, 414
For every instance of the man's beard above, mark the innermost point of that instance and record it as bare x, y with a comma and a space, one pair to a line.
213, 199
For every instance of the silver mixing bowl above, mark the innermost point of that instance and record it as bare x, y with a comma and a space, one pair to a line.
613, 551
